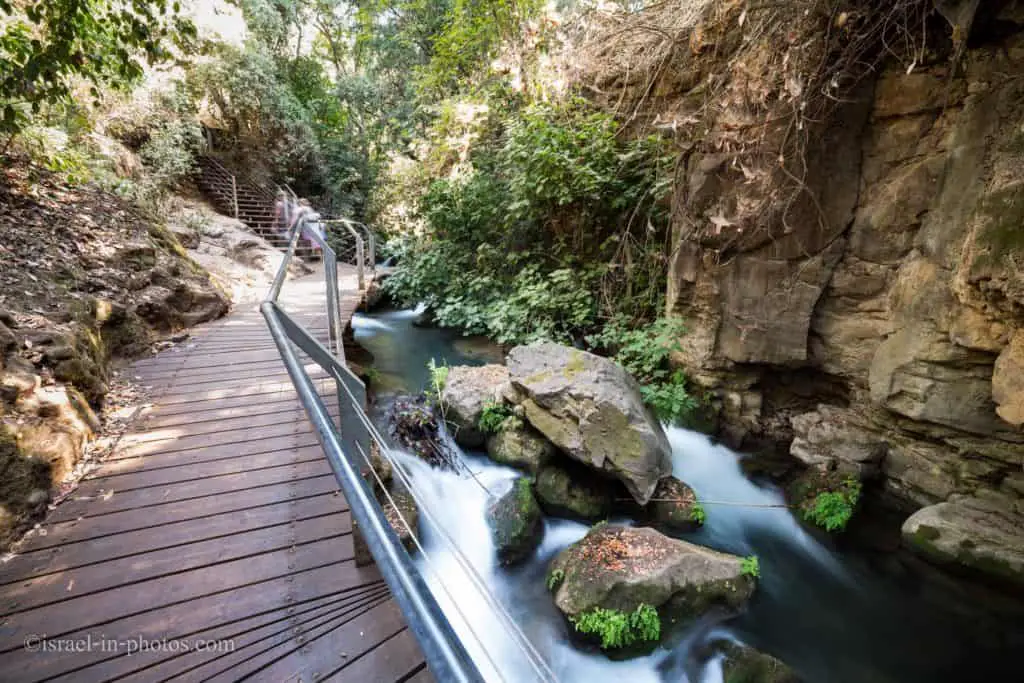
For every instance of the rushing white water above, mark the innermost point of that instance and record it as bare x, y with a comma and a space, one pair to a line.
456, 536
738, 510
843, 618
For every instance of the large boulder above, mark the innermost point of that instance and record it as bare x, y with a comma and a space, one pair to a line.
743, 664
517, 525
674, 507
621, 568
574, 492
465, 393
519, 445
983, 536
592, 410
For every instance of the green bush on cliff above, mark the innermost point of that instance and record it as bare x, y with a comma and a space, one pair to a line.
644, 351
832, 510
557, 224
618, 629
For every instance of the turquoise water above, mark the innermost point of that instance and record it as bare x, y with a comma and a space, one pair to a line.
831, 615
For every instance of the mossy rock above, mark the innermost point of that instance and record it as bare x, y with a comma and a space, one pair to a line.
516, 522
621, 568
980, 536
24, 487
674, 507
127, 336
569, 490
743, 664
519, 445
84, 375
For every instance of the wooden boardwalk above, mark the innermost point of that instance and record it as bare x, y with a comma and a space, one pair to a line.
213, 545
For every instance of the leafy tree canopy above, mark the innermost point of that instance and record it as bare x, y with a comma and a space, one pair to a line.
46, 46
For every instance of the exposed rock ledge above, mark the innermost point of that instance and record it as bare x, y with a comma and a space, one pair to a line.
984, 535
879, 328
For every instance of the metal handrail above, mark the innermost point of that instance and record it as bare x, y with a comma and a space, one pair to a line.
360, 248
370, 239
442, 649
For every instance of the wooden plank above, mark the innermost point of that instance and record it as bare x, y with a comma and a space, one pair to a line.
228, 383
422, 676
155, 419
246, 640
147, 477
188, 617
147, 488
166, 360
226, 440
93, 580
129, 465
83, 530
197, 491
201, 424
229, 368
36, 563
330, 647
231, 400
95, 610
391, 660
259, 388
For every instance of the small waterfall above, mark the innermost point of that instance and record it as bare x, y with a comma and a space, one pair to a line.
739, 512
458, 504
831, 616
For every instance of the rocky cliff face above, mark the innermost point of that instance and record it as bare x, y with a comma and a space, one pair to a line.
887, 338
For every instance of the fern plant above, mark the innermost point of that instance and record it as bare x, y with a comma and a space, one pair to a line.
697, 513
555, 579
618, 629
832, 510
644, 352
750, 566
493, 417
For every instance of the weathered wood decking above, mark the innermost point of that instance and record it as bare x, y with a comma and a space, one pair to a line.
213, 545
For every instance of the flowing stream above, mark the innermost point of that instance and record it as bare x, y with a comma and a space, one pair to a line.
833, 617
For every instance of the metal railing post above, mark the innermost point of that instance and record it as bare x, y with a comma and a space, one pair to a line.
234, 195
351, 437
446, 656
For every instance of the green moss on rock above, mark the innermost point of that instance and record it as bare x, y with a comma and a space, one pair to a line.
570, 490
516, 522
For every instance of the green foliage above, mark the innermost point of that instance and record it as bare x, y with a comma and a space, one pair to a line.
670, 399
555, 579
438, 377
698, 514
832, 510
470, 38
48, 47
170, 152
493, 417
644, 351
618, 629
524, 246
750, 566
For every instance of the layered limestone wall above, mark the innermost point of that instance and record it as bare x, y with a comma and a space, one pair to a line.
888, 339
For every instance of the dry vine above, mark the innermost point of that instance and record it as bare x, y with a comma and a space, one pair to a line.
747, 89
